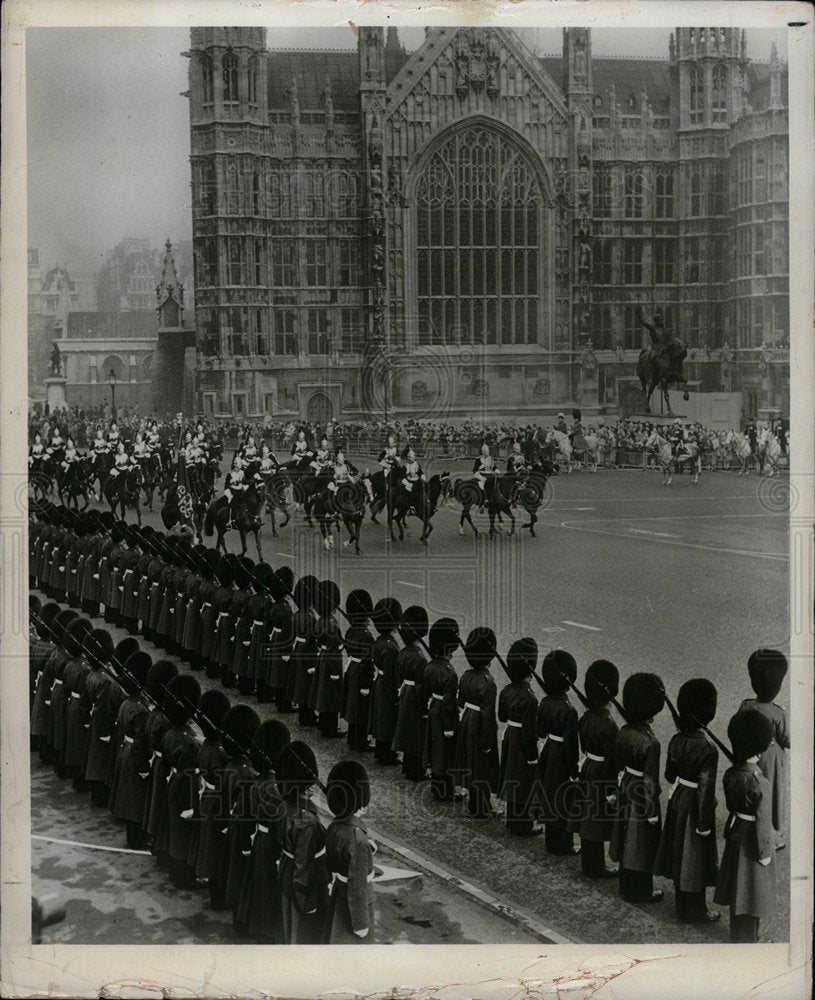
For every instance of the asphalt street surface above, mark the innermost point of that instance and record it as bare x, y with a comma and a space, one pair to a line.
685, 581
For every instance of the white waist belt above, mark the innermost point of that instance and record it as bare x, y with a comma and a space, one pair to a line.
514, 724
256, 622
263, 829
354, 659
288, 854
57, 681
597, 757
298, 640
209, 787
222, 614
637, 774
469, 704
206, 604
557, 739
750, 819
128, 739
344, 878
409, 684
437, 697
75, 694
688, 784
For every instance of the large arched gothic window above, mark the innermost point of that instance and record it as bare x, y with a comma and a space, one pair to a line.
719, 93
697, 95
230, 71
207, 79
252, 81
478, 242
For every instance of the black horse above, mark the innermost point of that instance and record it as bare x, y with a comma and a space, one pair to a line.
422, 502
385, 489
124, 489
246, 510
76, 482
273, 491
658, 368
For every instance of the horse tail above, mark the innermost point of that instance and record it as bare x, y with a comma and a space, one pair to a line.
209, 522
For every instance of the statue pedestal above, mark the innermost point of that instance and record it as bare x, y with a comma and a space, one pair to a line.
658, 419
55, 393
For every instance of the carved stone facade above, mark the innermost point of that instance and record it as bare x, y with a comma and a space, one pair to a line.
379, 215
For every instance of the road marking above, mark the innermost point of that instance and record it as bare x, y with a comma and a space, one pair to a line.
552, 628
90, 847
591, 628
404, 583
656, 534
286, 555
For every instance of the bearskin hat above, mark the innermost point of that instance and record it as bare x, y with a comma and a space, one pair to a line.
328, 633
443, 638
696, 703
643, 697
242, 575
47, 615
73, 639
262, 580
99, 645
558, 671
750, 733
119, 531
304, 591
576, 414
358, 642
348, 788
134, 671
210, 713
480, 647
386, 615
270, 738
225, 573
125, 648
296, 768
767, 669
181, 701
522, 659
34, 604
107, 519
132, 536
160, 675
213, 557
285, 578
414, 624
328, 598
239, 727
602, 683
358, 607
201, 562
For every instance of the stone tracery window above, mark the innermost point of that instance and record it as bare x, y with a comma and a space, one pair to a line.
230, 75
478, 242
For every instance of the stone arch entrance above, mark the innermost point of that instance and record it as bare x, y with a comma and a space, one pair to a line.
319, 409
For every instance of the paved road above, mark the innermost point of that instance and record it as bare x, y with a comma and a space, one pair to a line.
686, 581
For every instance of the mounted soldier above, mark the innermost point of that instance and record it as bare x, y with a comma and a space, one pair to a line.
484, 466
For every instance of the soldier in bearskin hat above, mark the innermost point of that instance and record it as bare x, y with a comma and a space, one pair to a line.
597, 732
179, 748
64, 679
78, 710
687, 848
99, 685
636, 830
385, 618
518, 706
412, 714
768, 668
257, 612
350, 856
279, 669
558, 763
359, 673
129, 787
327, 680
304, 647
51, 682
304, 874
41, 652
218, 664
477, 750
747, 879
155, 729
441, 687
204, 854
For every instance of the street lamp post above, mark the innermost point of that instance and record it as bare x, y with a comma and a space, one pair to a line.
112, 381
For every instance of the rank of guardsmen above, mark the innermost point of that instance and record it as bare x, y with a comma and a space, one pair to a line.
224, 801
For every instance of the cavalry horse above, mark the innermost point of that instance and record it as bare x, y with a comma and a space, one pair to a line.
662, 446
422, 502
495, 497
526, 492
246, 510
77, 482
560, 446
273, 489
385, 489
769, 451
691, 453
740, 447
347, 504
125, 489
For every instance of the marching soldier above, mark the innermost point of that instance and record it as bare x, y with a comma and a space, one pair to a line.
747, 877
349, 853
635, 836
385, 618
517, 706
767, 669
441, 689
477, 752
359, 674
598, 773
687, 849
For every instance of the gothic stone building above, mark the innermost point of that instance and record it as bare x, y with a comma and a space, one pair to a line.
469, 227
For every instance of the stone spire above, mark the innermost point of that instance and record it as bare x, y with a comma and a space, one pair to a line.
775, 79
169, 292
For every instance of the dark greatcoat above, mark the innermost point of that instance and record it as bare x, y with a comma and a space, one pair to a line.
77, 715
304, 654
358, 681
259, 903
207, 843
180, 747
240, 826
129, 788
411, 715
304, 874
558, 761
441, 686
351, 860
155, 813
385, 704
634, 840
598, 778
102, 725
477, 752
773, 762
517, 706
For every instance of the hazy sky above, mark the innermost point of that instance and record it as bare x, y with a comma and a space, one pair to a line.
108, 132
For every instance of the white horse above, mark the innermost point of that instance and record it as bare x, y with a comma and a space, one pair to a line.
563, 446
664, 455
769, 450
740, 447
595, 447
692, 454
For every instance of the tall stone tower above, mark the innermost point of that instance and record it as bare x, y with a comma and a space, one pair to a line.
229, 127
170, 384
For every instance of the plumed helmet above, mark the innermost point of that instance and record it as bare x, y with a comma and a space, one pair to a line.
99, 645
767, 669
270, 738
285, 579
558, 671
134, 671
239, 727
643, 697
304, 591
183, 695
696, 703
386, 615
225, 572
443, 639
348, 788
212, 708
415, 623
522, 659
61, 622
159, 676
602, 683
358, 607
480, 647
328, 598
73, 639
296, 768
750, 733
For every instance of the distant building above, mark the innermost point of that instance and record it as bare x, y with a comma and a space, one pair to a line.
132, 269
469, 228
